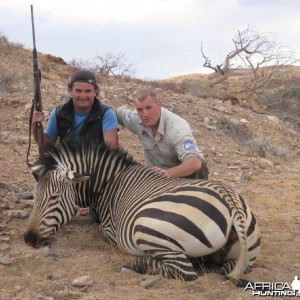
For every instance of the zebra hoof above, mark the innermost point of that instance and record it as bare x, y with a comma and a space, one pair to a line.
241, 283
189, 277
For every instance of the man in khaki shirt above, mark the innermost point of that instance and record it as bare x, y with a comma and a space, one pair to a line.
167, 139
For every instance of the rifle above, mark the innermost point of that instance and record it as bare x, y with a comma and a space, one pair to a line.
37, 100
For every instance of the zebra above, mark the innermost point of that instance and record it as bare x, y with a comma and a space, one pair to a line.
171, 225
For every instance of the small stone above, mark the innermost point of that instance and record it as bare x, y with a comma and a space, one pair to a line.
20, 214
126, 270
150, 282
273, 119
28, 203
83, 281
25, 195
4, 247
211, 127
265, 163
244, 121
5, 260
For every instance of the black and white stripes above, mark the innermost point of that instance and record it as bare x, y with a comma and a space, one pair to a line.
167, 222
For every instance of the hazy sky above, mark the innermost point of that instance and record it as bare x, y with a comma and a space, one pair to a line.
162, 38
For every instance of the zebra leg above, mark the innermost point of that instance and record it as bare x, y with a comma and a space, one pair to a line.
173, 265
144, 265
223, 269
204, 265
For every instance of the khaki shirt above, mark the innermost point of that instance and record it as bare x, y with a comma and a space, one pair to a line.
172, 144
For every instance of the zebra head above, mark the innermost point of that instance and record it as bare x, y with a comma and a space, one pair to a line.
55, 204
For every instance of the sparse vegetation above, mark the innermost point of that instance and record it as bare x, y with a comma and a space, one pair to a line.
12, 55
233, 140
258, 145
285, 104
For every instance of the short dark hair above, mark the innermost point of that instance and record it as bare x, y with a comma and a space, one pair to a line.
83, 76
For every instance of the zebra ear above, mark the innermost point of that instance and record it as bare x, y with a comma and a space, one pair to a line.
36, 171
76, 177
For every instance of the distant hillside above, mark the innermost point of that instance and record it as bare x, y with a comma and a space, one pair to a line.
279, 95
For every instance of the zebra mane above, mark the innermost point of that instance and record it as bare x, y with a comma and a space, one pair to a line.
54, 156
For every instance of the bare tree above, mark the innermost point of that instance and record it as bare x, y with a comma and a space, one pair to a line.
81, 64
258, 52
113, 64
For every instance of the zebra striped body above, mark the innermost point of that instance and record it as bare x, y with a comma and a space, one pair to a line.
167, 222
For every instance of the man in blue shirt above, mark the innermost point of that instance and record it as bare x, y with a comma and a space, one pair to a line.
83, 115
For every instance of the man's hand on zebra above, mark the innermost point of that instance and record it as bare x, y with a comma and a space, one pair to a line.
161, 171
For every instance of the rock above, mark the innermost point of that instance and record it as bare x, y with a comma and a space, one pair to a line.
211, 127
273, 119
265, 163
20, 214
206, 121
4, 247
5, 260
28, 203
217, 160
244, 121
49, 252
19, 149
126, 270
83, 281
296, 265
151, 281
12, 198
25, 195
41, 297
102, 95
233, 167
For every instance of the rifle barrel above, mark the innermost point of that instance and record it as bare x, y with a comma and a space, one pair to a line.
37, 101
32, 23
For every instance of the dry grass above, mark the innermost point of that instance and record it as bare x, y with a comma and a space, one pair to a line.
232, 150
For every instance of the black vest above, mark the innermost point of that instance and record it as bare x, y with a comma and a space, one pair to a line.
92, 126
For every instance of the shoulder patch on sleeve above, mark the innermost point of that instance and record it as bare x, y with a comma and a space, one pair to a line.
189, 145
145, 133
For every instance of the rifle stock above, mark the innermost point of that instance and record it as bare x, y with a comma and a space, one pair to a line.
37, 100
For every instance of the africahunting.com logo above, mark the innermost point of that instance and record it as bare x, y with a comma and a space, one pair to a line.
275, 289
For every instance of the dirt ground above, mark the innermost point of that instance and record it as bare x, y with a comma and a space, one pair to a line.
271, 187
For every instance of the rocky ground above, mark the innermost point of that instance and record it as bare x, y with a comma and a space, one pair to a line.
256, 154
